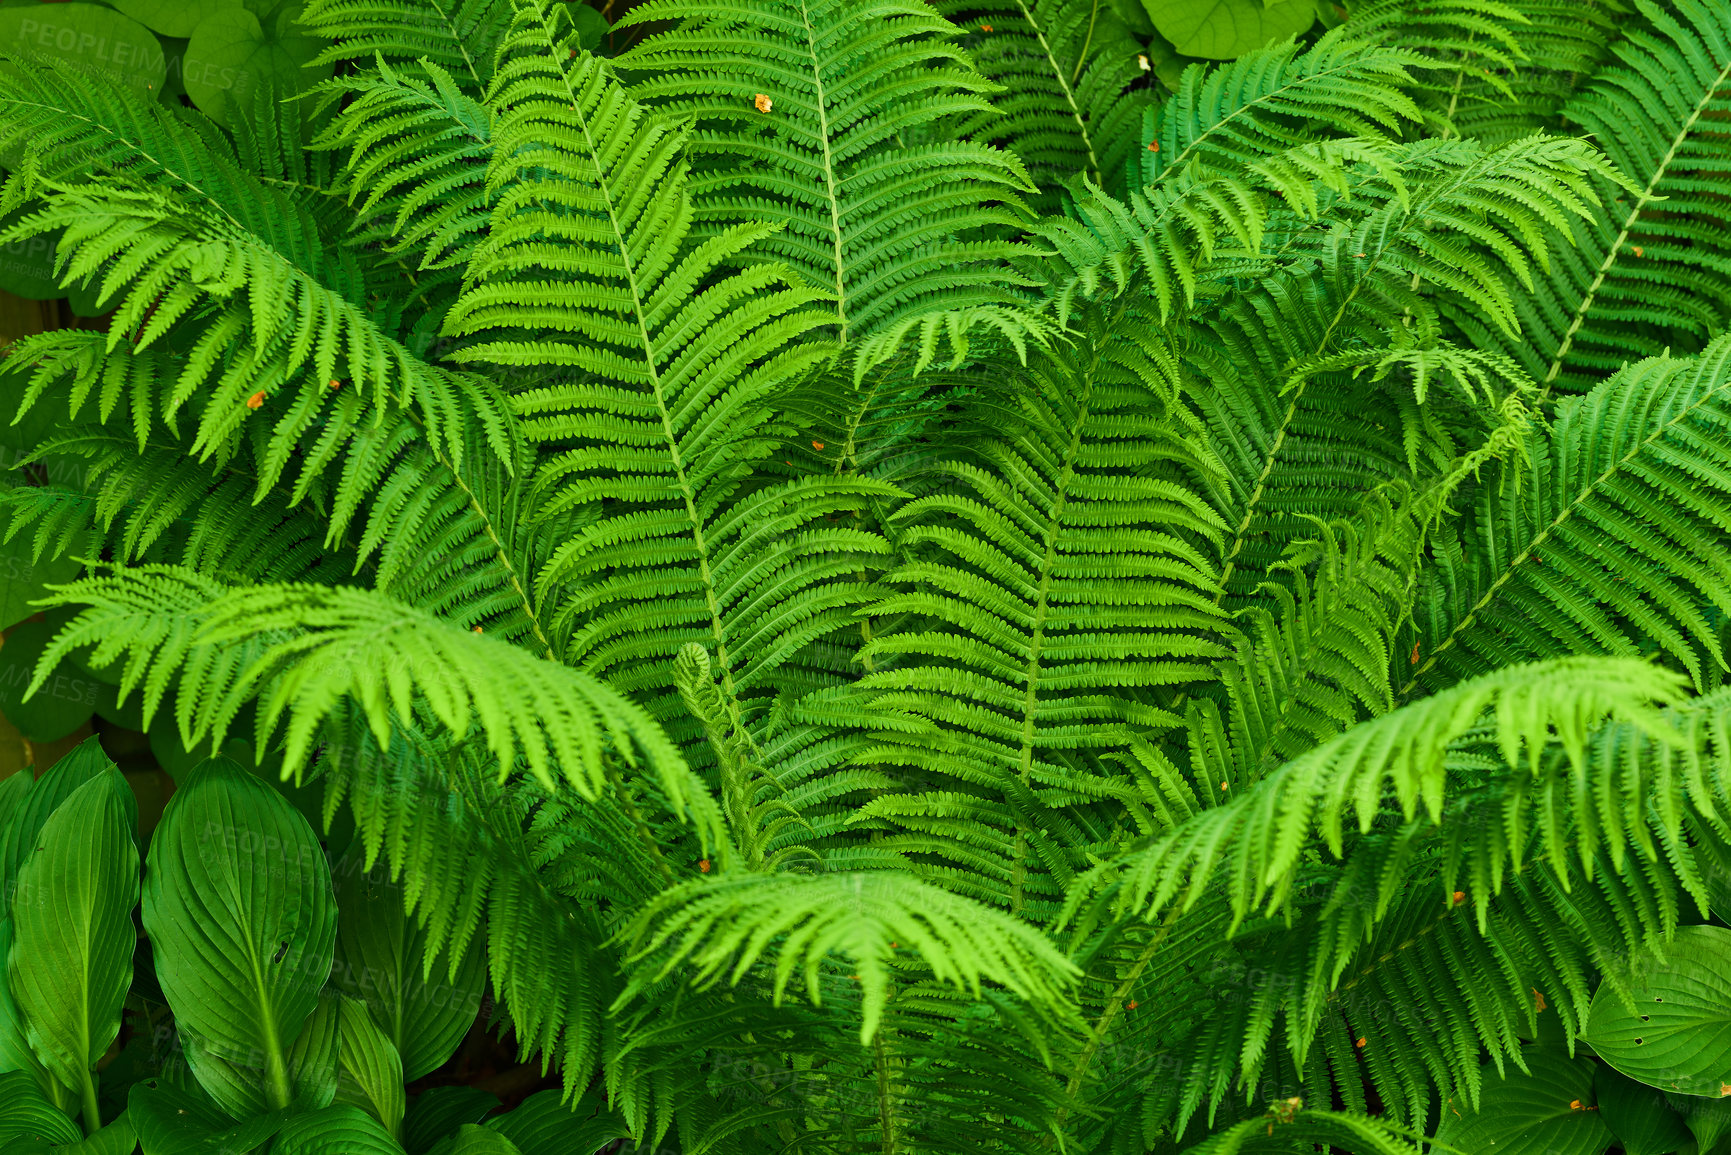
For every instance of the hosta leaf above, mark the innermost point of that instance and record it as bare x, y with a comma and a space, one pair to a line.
423, 1008
26, 1114
90, 38
1637, 1114
337, 1130
313, 1057
474, 1140
118, 1138
1677, 1036
39, 800
73, 937
238, 905
173, 1120
174, 17
544, 1125
371, 1076
65, 700
1227, 29
1546, 1112
232, 54
438, 1111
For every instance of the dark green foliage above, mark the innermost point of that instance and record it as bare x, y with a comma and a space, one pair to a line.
883, 577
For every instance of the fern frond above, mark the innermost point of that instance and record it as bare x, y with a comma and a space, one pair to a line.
457, 37
1257, 837
1608, 544
723, 926
1074, 93
876, 203
1652, 271
312, 647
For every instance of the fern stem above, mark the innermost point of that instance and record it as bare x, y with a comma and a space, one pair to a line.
1103, 1024
628, 805
1064, 85
831, 192
886, 1105
1567, 512
503, 555
1647, 195
652, 367
1087, 42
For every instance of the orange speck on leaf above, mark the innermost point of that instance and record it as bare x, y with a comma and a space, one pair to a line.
1142, 59
1359, 255
1414, 659
1725, 1090
477, 629
1637, 250
1538, 1000
703, 865
1360, 1042
1131, 1005
763, 102
1460, 896
256, 400
817, 445
985, 28
1153, 146
336, 385
1223, 786
1574, 1104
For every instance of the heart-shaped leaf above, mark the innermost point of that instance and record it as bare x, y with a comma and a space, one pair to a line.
63, 702
337, 1130
89, 38
1677, 1036
371, 1072
174, 17
1227, 29
424, 1005
238, 905
233, 56
73, 938
173, 1120
1546, 1112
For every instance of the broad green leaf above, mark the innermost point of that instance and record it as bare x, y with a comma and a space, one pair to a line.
1709, 1121
1227, 29
337, 1130
371, 1072
25, 1113
1546, 1112
64, 701
87, 38
173, 1120
438, 1111
238, 906
422, 1007
1637, 1114
313, 1058
473, 1140
232, 55
543, 1125
174, 17
118, 1138
40, 799
24, 579
73, 937
1677, 1036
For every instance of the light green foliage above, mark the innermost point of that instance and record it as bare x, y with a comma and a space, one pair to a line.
881, 577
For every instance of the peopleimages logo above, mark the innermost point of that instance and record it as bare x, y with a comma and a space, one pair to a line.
126, 57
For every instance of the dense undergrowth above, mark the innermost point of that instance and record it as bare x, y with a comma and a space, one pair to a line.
857, 575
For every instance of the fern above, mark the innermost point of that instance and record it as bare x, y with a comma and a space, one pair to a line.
876, 203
